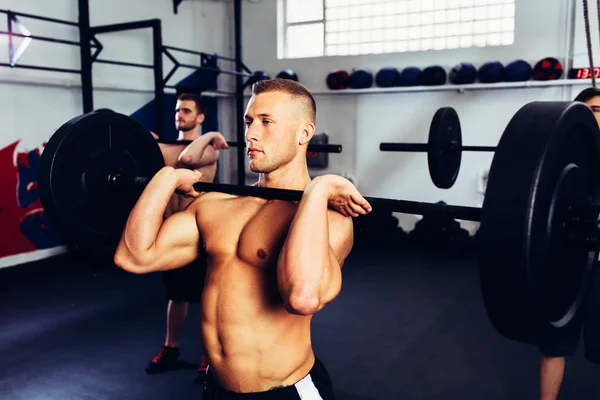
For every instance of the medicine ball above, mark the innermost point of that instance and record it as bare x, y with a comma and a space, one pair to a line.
258, 76
410, 76
338, 79
548, 69
518, 71
433, 76
491, 72
463, 74
288, 74
387, 77
361, 79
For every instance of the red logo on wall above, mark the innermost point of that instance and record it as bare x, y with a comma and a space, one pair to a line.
24, 225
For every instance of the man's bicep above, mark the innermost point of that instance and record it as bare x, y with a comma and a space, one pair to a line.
178, 240
341, 235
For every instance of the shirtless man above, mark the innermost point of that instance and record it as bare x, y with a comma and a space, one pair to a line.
184, 285
556, 347
271, 264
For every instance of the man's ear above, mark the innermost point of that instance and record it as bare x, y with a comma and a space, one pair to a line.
200, 119
306, 133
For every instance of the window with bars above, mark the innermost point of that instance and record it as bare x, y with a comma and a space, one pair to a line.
316, 28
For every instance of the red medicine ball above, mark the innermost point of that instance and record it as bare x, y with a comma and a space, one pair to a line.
548, 69
338, 79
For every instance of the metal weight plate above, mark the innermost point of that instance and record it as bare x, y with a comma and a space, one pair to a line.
533, 279
443, 148
74, 169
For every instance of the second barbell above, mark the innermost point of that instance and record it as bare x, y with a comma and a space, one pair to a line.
444, 147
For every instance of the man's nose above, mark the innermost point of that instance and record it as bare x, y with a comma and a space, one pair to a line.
251, 133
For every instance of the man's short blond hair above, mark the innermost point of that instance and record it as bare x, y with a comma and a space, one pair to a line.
294, 89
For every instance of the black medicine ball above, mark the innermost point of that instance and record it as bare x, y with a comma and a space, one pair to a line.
433, 76
387, 77
288, 74
361, 79
463, 73
258, 76
410, 76
518, 71
491, 72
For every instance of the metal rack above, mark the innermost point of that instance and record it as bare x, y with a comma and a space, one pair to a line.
91, 47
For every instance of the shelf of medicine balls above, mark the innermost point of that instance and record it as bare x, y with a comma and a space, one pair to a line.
464, 76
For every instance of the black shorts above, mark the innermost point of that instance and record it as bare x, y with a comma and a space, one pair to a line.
316, 385
186, 283
563, 343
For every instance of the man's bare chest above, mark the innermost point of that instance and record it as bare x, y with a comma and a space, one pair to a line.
248, 229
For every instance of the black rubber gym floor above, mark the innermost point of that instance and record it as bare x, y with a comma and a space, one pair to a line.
407, 325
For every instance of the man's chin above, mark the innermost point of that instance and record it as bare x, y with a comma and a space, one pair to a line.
183, 128
256, 168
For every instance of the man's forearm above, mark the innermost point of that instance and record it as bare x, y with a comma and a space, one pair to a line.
304, 265
146, 217
195, 155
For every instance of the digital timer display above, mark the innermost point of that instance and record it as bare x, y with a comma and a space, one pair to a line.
583, 73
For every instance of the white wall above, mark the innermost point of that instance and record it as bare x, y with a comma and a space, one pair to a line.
361, 122
33, 104
580, 52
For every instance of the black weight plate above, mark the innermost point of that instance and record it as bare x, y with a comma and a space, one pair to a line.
74, 170
443, 148
532, 278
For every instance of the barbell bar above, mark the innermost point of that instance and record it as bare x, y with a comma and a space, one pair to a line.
424, 148
312, 148
444, 147
538, 237
404, 206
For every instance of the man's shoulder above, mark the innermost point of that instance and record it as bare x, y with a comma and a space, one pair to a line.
211, 196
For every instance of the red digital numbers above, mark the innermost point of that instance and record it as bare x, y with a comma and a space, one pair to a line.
585, 73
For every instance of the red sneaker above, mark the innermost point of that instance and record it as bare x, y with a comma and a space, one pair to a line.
165, 360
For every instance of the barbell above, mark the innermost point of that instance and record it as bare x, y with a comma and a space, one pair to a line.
538, 237
444, 147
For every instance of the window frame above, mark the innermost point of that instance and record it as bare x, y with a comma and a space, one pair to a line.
283, 25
